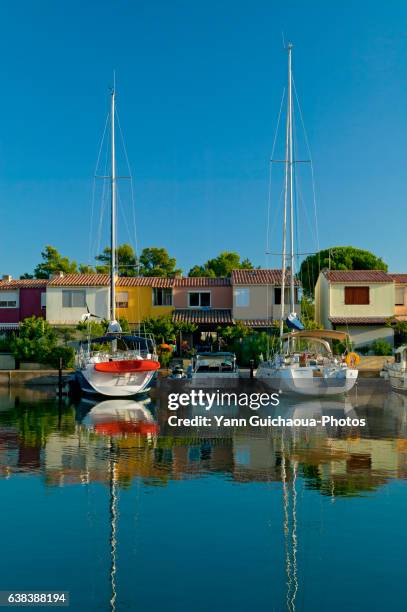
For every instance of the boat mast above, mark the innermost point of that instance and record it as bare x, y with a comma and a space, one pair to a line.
113, 217
290, 170
287, 191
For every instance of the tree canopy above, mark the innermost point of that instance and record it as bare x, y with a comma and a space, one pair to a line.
337, 258
222, 265
156, 261
125, 257
53, 262
153, 261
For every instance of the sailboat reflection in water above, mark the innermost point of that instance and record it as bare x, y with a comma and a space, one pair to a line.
121, 417
118, 419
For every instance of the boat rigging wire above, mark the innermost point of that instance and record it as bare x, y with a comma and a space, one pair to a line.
270, 168
311, 163
94, 191
104, 198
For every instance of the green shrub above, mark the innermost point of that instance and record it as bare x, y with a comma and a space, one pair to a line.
165, 357
35, 340
66, 353
381, 347
338, 347
363, 350
5, 344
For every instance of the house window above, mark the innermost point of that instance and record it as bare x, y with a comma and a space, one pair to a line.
357, 295
43, 299
242, 297
399, 296
277, 295
8, 299
199, 299
122, 299
73, 299
162, 296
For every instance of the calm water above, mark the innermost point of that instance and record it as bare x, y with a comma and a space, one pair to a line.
110, 503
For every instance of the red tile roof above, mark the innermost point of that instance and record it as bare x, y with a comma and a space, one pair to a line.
358, 320
357, 276
202, 316
80, 280
259, 277
97, 280
31, 283
398, 278
202, 281
144, 281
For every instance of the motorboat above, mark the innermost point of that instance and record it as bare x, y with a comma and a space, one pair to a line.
213, 369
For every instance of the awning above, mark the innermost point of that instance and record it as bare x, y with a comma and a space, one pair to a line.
5, 326
257, 322
210, 316
358, 320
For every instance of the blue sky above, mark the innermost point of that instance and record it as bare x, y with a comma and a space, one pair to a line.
199, 88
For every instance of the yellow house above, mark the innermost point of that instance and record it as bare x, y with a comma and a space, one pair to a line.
141, 297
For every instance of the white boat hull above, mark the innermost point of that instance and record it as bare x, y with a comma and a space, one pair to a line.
109, 384
307, 380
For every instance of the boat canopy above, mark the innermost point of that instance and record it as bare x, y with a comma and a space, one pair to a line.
313, 341
333, 334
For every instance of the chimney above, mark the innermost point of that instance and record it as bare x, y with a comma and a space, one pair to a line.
7, 278
59, 274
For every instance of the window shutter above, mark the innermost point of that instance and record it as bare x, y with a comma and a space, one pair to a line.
357, 295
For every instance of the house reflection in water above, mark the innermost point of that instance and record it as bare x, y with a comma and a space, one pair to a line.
66, 447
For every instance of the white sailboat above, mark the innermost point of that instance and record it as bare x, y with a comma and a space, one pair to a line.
126, 364
305, 363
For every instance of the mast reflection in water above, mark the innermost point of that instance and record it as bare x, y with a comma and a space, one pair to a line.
107, 501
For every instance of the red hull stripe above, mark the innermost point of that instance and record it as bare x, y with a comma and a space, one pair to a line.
127, 365
123, 427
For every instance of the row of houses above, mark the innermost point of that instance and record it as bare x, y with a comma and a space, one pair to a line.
251, 296
357, 301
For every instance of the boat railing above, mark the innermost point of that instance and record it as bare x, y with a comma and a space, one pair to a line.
83, 357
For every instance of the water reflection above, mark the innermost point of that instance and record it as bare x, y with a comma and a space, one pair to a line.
119, 417
72, 443
125, 445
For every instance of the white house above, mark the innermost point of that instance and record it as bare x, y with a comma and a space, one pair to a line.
70, 296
